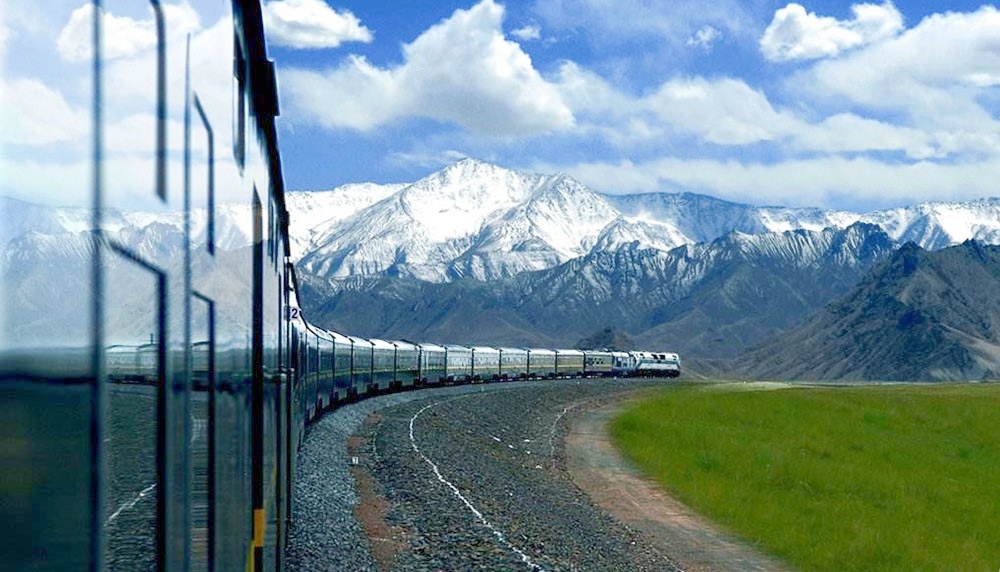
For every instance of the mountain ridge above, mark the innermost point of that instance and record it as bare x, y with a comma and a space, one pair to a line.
712, 299
920, 315
521, 232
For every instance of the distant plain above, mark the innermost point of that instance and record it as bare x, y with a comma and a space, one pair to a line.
889, 477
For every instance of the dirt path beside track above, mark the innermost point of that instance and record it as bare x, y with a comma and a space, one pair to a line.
616, 486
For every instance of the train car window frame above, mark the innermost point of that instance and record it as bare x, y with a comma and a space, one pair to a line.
210, 164
239, 104
211, 473
163, 408
160, 183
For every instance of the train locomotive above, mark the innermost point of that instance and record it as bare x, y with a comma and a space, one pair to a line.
155, 424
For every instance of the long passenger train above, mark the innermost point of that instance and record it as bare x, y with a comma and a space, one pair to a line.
155, 425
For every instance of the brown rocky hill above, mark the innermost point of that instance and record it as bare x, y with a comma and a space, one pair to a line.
919, 316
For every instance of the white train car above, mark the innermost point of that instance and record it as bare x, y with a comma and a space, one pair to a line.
407, 364
622, 364
656, 364
433, 363
458, 363
570, 363
541, 363
485, 363
598, 363
513, 363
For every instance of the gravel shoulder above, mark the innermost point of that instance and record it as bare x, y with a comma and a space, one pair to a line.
478, 482
614, 484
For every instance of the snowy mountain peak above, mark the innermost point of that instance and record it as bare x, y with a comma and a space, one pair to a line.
457, 201
936, 225
477, 219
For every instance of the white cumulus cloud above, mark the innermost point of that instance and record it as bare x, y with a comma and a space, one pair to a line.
724, 111
796, 182
529, 32
938, 76
850, 133
33, 114
704, 38
461, 71
312, 24
122, 36
795, 34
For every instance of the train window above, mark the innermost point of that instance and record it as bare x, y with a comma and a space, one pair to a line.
239, 104
135, 356
204, 197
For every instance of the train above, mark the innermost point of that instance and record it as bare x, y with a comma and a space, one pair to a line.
155, 424
335, 368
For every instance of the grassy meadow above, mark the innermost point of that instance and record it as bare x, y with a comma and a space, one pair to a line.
903, 477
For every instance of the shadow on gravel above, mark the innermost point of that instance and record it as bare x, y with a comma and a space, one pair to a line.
386, 540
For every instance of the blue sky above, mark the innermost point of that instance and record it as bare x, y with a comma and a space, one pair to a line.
818, 103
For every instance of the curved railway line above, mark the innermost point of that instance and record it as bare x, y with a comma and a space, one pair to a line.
482, 484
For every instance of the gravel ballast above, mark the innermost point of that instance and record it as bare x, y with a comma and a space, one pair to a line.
474, 478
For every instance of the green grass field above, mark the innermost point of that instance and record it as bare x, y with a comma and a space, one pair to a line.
862, 478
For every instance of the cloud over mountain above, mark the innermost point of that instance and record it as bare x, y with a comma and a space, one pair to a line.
461, 71
796, 34
312, 24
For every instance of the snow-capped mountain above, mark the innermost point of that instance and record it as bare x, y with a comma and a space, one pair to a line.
423, 229
710, 299
478, 220
316, 210
933, 226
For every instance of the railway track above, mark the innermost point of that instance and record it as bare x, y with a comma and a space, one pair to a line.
469, 477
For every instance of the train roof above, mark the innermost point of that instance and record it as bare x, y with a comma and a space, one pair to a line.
513, 350
336, 337
458, 347
404, 345
569, 352
485, 349
361, 341
667, 355
382, 344
430, 346
542, 351
316, 331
